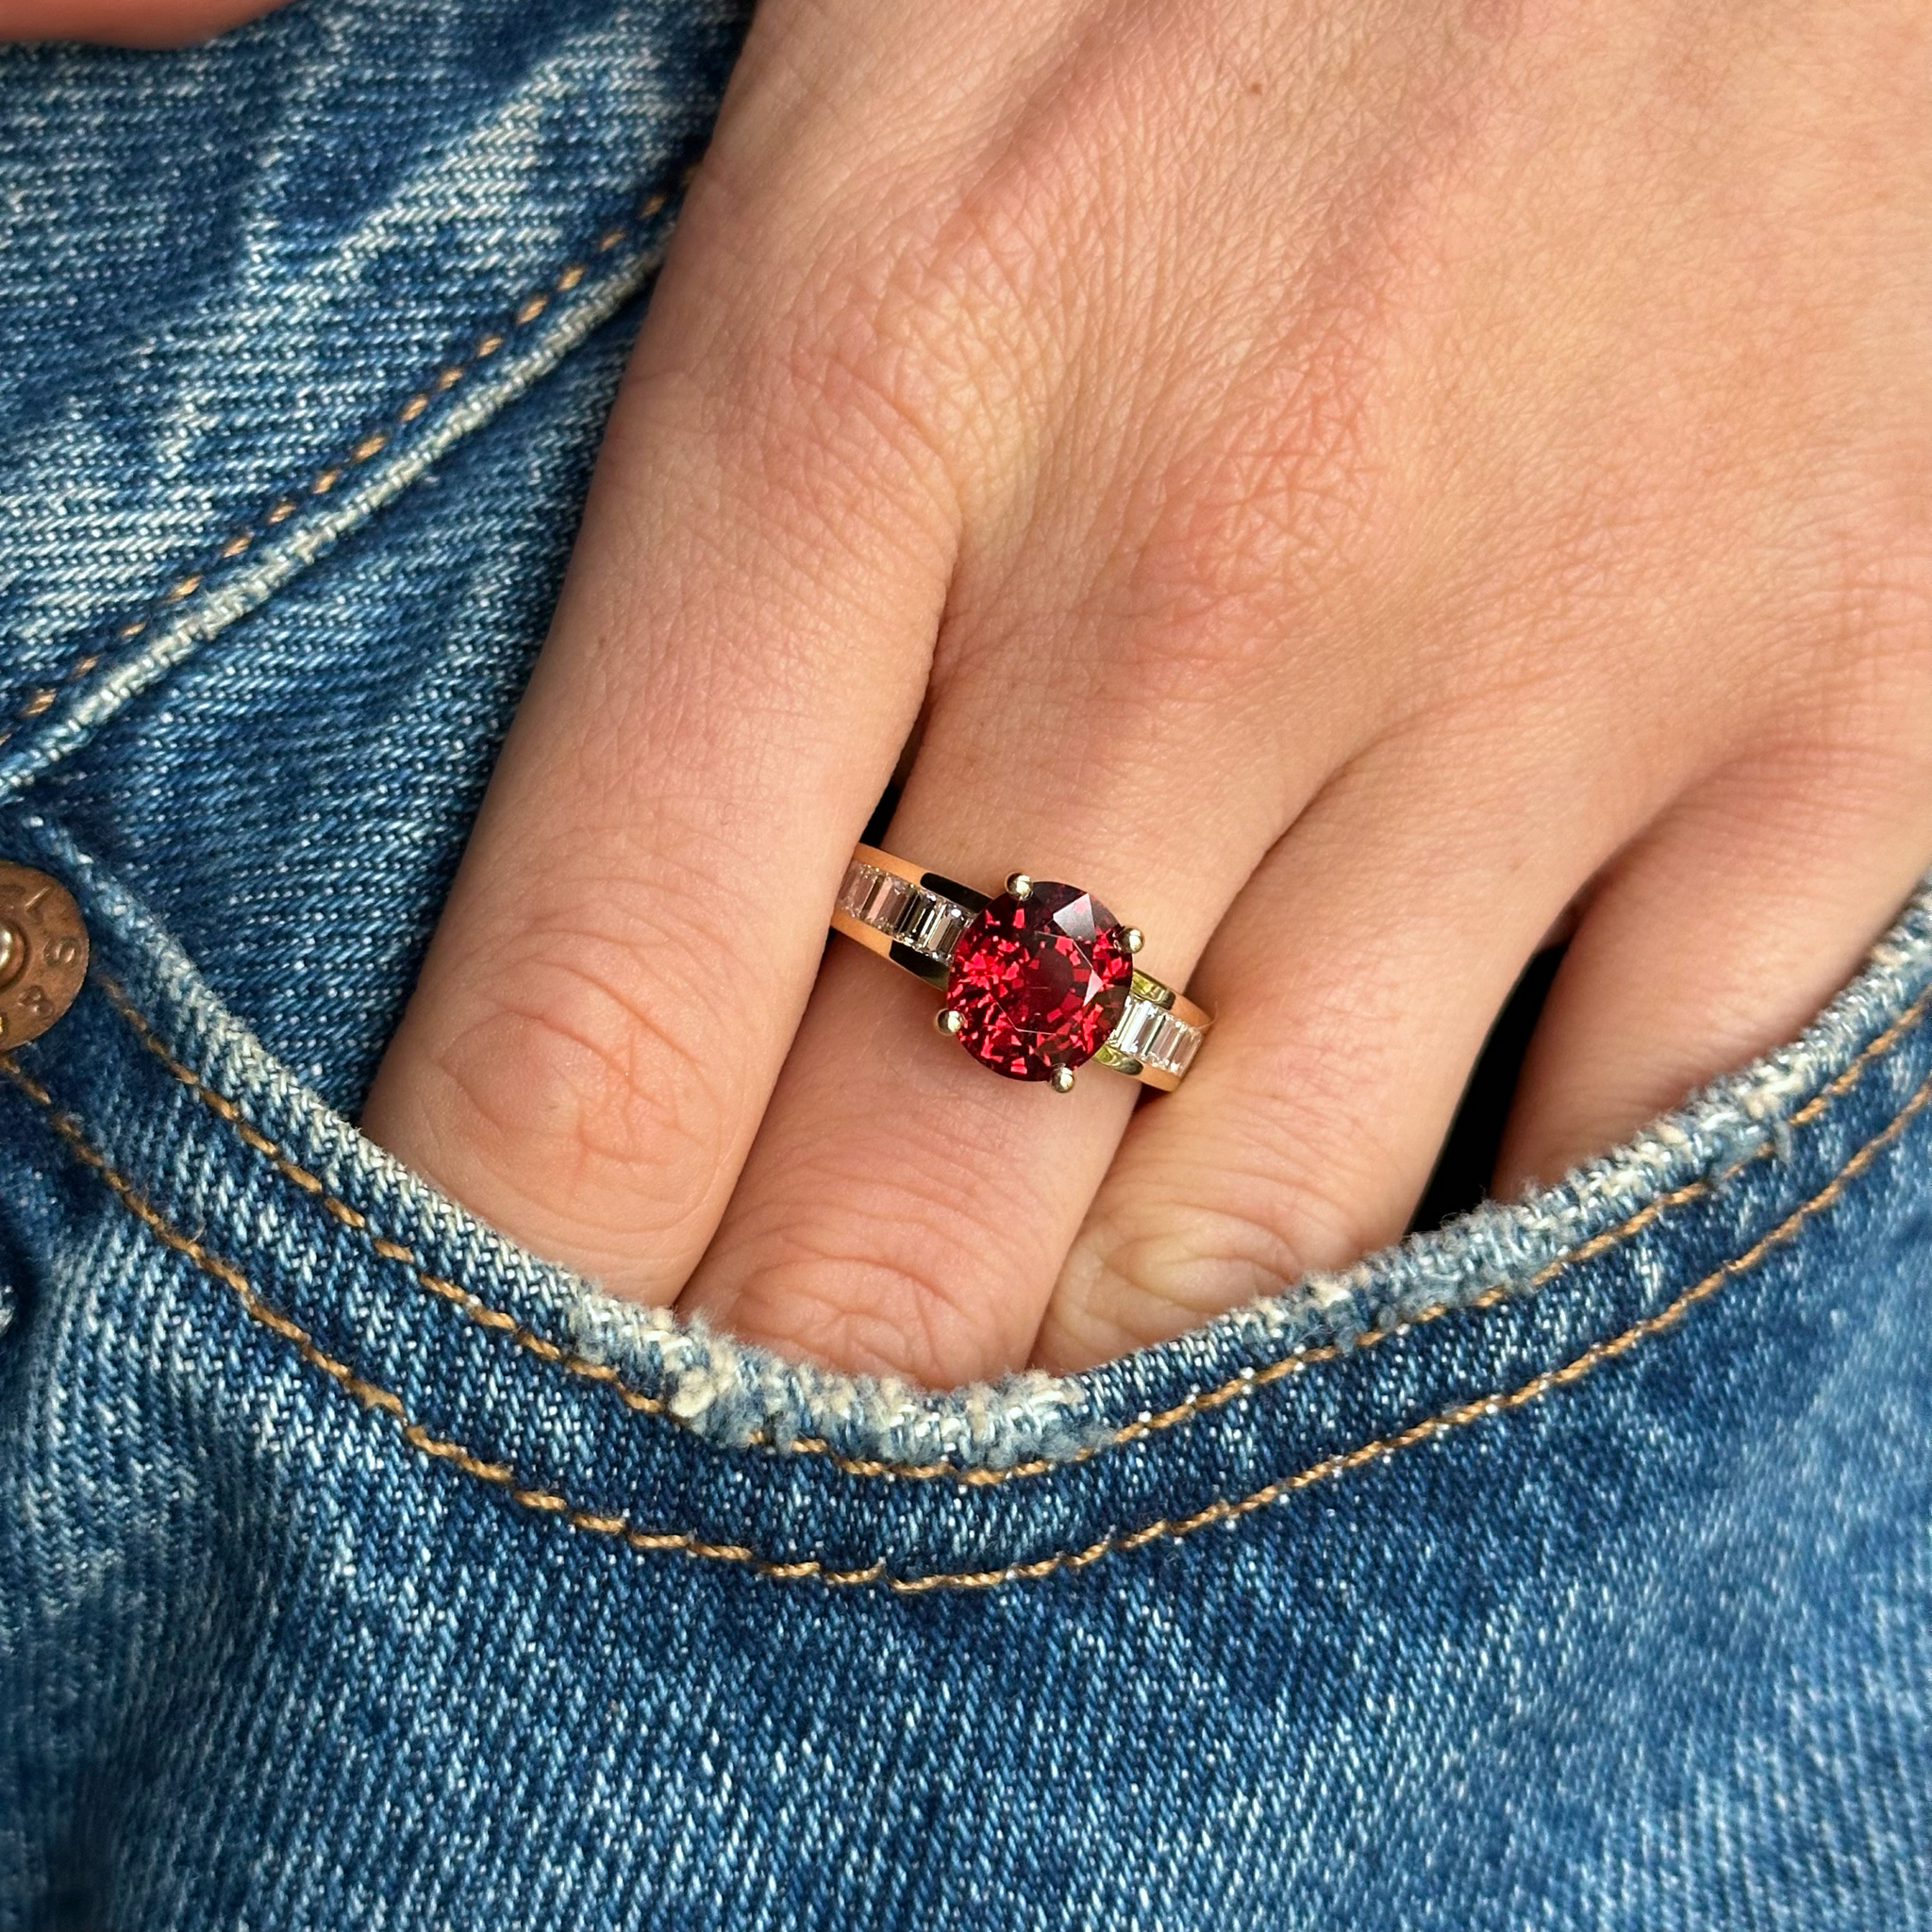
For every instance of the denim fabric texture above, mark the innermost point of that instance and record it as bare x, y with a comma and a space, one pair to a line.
1569, 1567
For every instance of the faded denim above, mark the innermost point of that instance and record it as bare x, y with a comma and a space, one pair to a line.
1569, 1567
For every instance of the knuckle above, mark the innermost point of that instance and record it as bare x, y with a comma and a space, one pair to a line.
1257, 1224
866, 1317
1163, 1271
577, 1088
925, 327
895, 346
886, 1258
1264, 505
853, 433
1298, 1181
1879, 643
851, 370
1243, 521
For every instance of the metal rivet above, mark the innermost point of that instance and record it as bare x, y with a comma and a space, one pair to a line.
43, 953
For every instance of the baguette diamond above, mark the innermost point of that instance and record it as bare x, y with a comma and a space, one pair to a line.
904, 912
933, 926
877, 899
1155, 1036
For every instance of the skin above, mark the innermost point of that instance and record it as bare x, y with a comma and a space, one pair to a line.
1358, 488
124, 22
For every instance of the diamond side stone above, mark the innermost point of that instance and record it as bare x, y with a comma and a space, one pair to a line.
889, 897
1137, 1027
934, 926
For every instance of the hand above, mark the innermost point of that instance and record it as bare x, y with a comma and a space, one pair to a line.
1350, 485
125, 23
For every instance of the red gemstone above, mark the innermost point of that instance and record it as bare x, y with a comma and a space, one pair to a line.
1040, 982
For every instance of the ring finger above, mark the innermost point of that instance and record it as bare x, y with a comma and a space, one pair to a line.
903, 1210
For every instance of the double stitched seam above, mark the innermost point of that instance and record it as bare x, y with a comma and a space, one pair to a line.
42, 698
1199, 1403
1167, 1529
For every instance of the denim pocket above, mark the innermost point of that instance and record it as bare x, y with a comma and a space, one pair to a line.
1608, 1500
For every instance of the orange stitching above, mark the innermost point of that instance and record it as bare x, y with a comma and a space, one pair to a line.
487, 1316
365, 448
1199, 1403
470, 1302
1169, 1529
473, 1305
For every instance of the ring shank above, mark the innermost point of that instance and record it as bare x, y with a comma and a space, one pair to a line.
903, 913
1158, 1036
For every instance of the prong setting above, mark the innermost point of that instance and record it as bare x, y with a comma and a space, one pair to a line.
1031, 982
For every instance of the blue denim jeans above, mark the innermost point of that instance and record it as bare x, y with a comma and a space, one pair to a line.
1568, 1567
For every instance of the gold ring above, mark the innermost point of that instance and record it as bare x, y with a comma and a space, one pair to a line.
1039, 979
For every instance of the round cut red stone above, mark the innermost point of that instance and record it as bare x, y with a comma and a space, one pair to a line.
1040, 982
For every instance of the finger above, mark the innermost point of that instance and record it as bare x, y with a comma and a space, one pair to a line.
904, 1209
738, 654
125, 23
902, 1205
1351, 984
1715, 937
